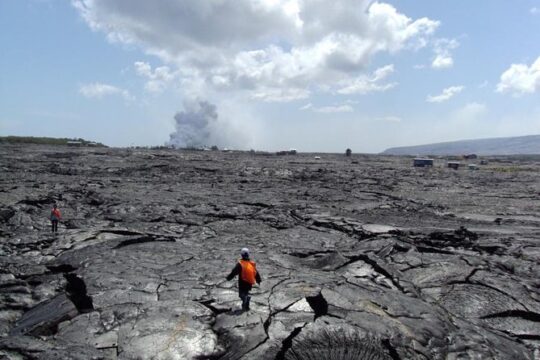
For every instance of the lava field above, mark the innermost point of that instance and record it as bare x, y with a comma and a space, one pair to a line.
361, 257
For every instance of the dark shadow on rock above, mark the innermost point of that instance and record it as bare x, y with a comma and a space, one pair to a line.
457, 238
237, 312
62, 268
76, 291
318, 303
213, 309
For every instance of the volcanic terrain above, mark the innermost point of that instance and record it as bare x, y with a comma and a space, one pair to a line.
361, 257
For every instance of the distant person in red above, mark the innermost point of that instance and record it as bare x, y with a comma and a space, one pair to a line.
55, 217
247, 277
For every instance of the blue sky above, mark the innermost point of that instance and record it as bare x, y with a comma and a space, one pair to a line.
270, 74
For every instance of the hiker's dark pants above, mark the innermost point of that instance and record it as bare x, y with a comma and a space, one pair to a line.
54, 225
244, 295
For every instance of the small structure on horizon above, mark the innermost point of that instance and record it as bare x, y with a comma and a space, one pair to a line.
422, 162
286, 152
348, 152
472, 167
470, 156
74, 143
453, 165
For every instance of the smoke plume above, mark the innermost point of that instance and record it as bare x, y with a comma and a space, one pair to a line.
199, 125
195, 125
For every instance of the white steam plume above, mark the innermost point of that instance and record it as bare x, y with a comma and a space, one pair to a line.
199, 125
194, 125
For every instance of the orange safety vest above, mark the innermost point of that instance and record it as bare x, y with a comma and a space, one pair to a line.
249, 271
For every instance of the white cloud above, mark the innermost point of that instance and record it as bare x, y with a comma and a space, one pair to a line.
443, 56
366, 84
99, 90
157, 79
271, 94
445, 95
442, 62
287, 49
335, 109
340, 108
520, 79
534, 11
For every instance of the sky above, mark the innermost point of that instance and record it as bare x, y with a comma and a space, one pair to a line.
314, 75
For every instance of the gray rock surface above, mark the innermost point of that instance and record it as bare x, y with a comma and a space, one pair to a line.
361, 256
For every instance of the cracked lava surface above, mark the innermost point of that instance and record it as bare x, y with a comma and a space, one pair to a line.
361, 257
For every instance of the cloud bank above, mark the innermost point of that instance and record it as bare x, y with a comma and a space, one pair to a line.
274, 50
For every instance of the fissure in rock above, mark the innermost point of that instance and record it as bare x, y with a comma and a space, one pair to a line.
287, 343
76, 292
526, 315
140, 240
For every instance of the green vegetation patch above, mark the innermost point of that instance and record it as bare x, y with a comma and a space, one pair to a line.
47, 141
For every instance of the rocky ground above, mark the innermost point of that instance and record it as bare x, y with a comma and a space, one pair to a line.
361, 258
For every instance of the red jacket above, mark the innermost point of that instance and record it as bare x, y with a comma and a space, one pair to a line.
55, 214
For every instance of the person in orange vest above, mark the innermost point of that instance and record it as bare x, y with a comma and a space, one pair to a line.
55, 217
248, 275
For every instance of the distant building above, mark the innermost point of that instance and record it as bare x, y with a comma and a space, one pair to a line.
472, 167
317, 158
470, 156
286, 152
484, 162
348, 152
453, 165
74, 143
92, 144
422, 162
